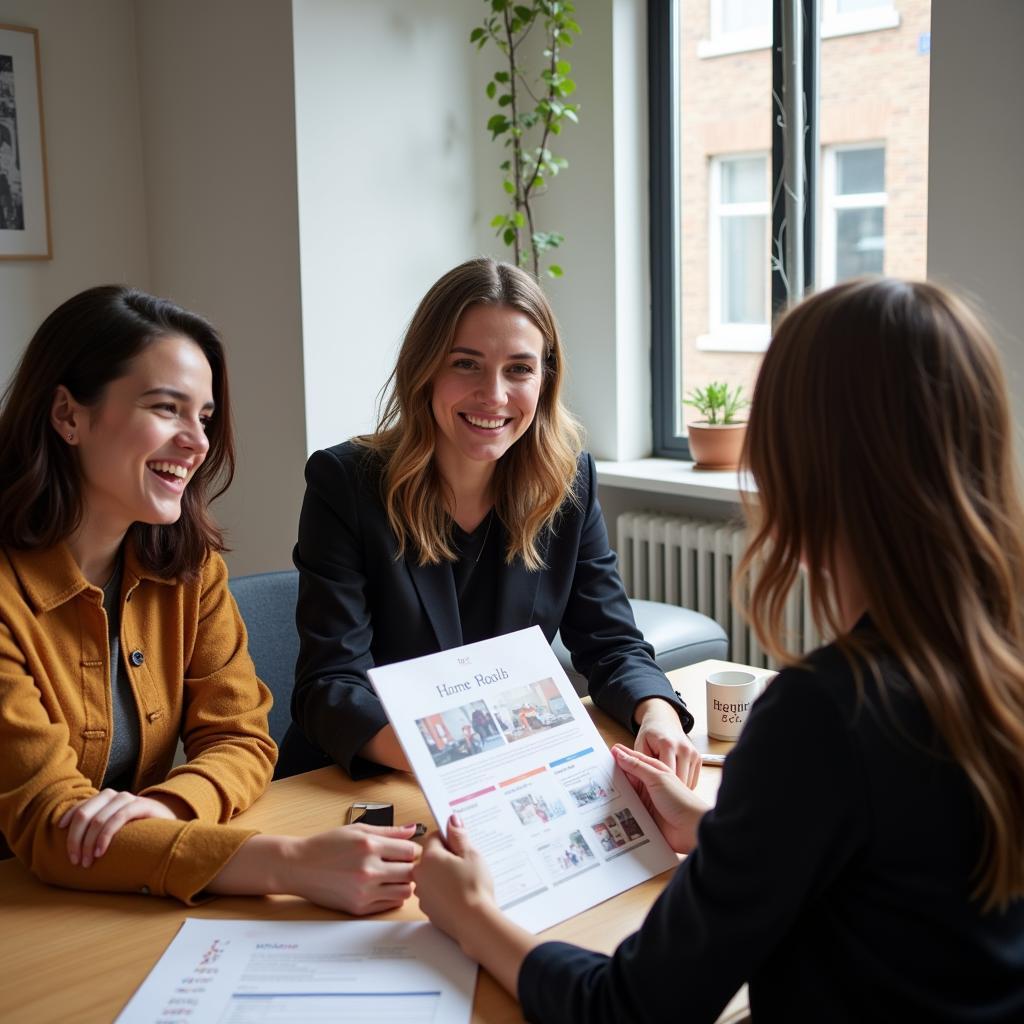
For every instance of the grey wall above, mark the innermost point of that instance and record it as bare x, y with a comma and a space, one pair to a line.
976, 165
94, 150
218, 102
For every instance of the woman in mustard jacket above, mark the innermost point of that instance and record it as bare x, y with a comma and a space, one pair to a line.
118, 635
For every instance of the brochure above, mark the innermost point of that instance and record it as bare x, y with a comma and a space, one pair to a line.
495, 733
361, 972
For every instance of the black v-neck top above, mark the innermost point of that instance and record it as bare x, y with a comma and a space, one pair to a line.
476, 570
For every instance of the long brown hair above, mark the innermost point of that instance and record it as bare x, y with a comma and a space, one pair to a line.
532, 481
880, 422
84, 344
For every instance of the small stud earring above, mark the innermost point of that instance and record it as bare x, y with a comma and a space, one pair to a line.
71, 437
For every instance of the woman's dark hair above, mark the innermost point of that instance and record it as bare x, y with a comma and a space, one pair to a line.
84, 344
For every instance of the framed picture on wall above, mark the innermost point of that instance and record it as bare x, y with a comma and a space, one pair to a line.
24, 209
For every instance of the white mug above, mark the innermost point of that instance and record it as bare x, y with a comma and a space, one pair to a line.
730, 695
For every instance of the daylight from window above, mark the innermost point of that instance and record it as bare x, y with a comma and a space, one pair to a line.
871, 202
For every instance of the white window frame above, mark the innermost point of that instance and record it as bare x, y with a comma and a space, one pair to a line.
724, 336
834, 23
756, 38
831, 204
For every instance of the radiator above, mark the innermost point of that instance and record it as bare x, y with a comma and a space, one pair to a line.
690, 562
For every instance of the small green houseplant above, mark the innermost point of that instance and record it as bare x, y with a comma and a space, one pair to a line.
717, 440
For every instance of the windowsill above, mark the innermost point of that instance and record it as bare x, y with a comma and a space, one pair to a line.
838, 25
755, 340
673, 476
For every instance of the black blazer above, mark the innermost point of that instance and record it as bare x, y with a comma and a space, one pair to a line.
359, 606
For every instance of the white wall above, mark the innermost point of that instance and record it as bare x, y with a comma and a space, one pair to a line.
976, 165
385, 133
217, 99
94, 151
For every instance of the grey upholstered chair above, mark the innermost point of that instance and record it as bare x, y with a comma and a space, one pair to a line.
267, 604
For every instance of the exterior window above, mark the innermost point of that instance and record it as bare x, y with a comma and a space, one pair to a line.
739, 266
853, 222
737, 25
719, 235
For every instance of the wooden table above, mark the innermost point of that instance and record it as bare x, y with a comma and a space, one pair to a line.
77, 956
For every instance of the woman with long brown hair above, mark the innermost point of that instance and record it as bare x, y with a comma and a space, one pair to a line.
470, 512
865, 857
118, 634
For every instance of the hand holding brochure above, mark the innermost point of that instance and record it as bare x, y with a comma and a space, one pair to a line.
495, 733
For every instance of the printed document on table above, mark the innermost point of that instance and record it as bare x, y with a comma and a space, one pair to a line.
495, 733
361, 972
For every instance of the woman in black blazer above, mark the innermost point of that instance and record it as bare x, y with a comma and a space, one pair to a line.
865, 857
469, 513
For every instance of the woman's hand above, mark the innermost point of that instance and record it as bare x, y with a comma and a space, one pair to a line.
455, 891
94, 822
661, 735
674, 808
452, 883
360, 869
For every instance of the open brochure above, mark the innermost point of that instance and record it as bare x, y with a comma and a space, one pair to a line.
495, 733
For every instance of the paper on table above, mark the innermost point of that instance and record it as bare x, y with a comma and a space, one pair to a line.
362, 972
495, 732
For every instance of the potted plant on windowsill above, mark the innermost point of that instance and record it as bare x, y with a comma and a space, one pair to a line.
717, 440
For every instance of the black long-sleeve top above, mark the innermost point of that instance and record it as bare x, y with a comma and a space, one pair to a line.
360, 605
834, 875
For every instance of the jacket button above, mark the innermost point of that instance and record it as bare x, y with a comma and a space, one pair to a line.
137, 658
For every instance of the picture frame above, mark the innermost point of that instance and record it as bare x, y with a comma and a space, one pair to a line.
24, 202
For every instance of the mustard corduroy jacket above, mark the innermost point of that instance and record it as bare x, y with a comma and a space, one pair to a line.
184, 645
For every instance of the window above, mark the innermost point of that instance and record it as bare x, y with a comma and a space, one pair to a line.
740, 282
853, 220
845, 17
718, 228
737, 25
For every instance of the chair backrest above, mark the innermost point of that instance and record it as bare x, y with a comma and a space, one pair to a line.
266, 601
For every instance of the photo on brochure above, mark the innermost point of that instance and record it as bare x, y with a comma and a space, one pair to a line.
567, 855
457, 733
589, 787
525, 711
536, 801
617, 830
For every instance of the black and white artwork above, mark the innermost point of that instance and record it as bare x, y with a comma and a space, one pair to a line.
12, 207
24, 212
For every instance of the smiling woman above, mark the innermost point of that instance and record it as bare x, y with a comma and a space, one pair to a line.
118, 634
470, 512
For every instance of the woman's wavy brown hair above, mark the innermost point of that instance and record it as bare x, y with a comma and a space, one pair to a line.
532, 480
84, 344
880, 422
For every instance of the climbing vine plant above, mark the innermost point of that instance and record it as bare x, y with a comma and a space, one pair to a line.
532, 110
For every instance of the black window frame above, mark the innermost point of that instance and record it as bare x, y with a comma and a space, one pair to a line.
664, 195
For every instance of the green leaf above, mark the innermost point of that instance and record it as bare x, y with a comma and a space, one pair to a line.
505, 165
563, 67
477, 33
571, 115
501, 76
499, 221
497, 124
555, 270
509, 236
498, 5
519, 219
524, 13
567, 87
508, 187
491, 90
504, 101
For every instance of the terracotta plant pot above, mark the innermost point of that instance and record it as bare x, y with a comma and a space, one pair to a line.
716, 446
